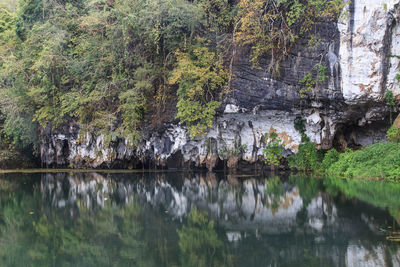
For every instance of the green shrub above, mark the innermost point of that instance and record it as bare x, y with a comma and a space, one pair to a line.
393, 134
330, 157
309, 82
199, 74
307, 158
273, 151
381, 160
300, 125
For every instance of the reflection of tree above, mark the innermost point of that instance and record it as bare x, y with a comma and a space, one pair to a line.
274, 192
377, 193
112, 237
308, 187
199, 243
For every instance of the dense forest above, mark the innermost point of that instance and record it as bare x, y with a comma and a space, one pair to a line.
119, 66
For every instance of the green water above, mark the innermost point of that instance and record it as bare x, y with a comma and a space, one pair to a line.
195, 219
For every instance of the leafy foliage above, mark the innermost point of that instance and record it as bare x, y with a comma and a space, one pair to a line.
6, 20
389, 99
273, 151
300, 126
308, 158
376, 161
330, 157
393, 134
310, 83
103, 64
199, 73
220, 14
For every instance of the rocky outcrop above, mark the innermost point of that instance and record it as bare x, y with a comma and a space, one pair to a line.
348, 109
77, 149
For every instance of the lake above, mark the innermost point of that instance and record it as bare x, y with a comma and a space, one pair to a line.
196, 219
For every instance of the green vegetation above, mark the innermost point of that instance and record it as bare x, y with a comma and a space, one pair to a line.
393, 134
379, 160
300, 126
8, 4
199, 73
12, 157
330, 157
308, 158
111, 66
309, 83
273, 151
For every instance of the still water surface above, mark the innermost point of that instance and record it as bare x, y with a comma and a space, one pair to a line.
195, 219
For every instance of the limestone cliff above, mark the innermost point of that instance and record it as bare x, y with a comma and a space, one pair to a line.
347, 110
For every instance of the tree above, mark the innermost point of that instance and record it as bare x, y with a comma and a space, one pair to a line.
199, 74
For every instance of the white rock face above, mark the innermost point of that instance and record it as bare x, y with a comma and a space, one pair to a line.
364, 32
230, 108
231, 131
394, 62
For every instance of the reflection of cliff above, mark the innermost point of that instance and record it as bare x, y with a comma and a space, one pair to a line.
84, 191
237, 204
151, 220
244, 205
290, 220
